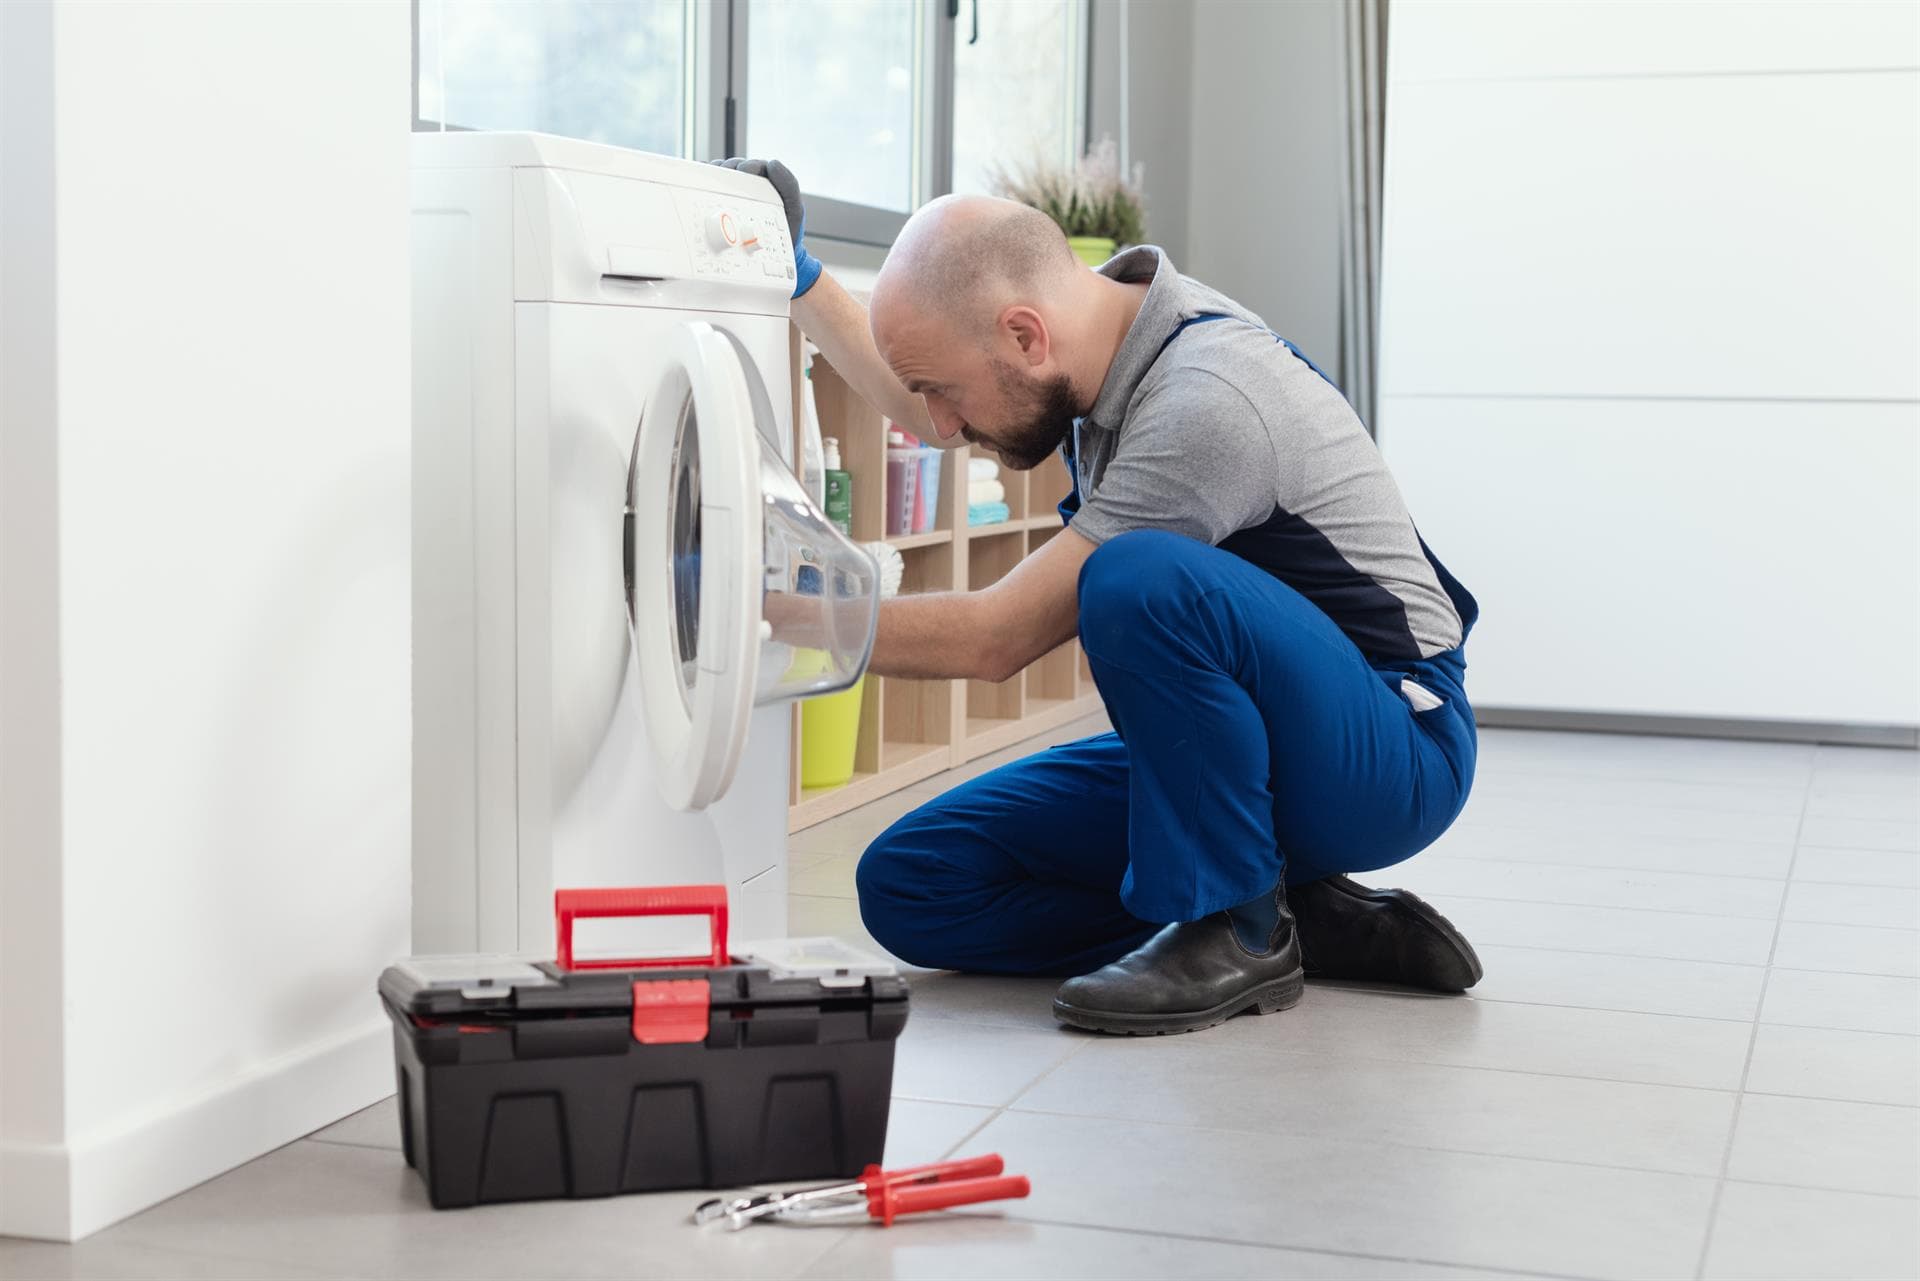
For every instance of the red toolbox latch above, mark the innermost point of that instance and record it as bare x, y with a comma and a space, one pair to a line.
670, 1011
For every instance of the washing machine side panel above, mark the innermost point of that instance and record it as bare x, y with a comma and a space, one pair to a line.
520, 896
463, 424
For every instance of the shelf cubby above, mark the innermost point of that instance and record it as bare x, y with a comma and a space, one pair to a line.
990, 703
1047, 485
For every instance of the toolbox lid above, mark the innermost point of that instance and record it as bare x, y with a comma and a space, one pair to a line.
827, 961
776, 972
476, 975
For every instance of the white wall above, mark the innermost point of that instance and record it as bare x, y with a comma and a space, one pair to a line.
1158, 104
230, 316
32, 1035
1235, 109
1649, 348
1263, 216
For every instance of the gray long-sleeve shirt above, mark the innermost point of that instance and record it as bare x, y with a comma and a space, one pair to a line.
1225, 433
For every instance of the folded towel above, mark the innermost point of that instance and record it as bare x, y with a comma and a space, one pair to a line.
982, 469
986, 491
987, 513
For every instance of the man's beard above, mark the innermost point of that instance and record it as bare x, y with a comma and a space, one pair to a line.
1045, 411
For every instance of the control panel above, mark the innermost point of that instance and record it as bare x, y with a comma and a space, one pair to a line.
732, 239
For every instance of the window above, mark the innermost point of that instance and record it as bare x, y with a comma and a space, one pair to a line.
878, 105
830, 90
1018, 87
588, 69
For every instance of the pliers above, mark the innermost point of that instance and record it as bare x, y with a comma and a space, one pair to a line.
876, 1194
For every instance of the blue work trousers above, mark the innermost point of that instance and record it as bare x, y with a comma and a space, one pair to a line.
1253, 741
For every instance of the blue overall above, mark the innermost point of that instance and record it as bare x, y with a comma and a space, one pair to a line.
1253, 741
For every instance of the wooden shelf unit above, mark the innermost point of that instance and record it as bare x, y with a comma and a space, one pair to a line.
911, 730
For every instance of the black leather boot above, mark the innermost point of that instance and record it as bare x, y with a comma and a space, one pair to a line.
1348, 931
1191, 975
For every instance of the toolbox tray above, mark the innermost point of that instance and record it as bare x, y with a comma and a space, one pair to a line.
524, 1080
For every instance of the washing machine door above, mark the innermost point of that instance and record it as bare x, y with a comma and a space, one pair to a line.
739, 591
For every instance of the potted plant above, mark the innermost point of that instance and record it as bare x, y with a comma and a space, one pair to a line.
1091, 200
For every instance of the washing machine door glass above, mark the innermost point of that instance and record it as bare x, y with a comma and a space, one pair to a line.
739, 591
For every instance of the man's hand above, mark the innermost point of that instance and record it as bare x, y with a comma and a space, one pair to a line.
806, 268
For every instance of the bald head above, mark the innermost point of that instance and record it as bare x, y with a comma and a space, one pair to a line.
966, 257
983, 311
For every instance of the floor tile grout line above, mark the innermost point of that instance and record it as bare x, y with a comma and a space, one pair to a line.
1716, 1018
1560, 827
1297, 1248
1437, 857
1828, 1187
1615, 1009
1823, 1098
1459, 1067
1017, 1094
1696, 961
1476, 1067
1753, 1040
846, 1235
1611, 907
1782, 879
350, 1143
176, 1252
1393, 1144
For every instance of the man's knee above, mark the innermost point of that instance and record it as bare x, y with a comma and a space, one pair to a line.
899, 886
1138, 580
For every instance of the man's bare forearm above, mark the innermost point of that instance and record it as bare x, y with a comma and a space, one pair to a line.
988, 634
933, 636
837, 324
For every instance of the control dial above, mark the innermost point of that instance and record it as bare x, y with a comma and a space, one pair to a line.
723, 230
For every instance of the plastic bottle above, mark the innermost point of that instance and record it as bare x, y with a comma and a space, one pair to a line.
928, 506
813, 471
903, 482
839, 486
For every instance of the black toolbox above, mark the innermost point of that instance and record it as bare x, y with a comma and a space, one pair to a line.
525, 1079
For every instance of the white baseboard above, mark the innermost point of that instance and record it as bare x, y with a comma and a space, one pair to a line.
34, 1179
65, 1192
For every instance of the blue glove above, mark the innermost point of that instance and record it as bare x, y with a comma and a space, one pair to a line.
806, 268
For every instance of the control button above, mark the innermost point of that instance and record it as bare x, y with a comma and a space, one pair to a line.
722, 231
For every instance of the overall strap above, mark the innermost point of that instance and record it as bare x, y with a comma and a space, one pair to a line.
1181, 328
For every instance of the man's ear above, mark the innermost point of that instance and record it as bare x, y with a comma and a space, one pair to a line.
1028, 332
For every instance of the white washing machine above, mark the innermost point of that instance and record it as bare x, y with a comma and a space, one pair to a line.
606, 530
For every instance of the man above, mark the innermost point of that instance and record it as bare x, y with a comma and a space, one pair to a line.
1278, 651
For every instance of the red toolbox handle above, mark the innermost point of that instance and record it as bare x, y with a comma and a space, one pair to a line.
662, 900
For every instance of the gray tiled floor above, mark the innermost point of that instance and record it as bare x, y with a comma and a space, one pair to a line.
1696, 1054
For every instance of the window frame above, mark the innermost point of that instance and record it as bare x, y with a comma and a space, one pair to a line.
847, 221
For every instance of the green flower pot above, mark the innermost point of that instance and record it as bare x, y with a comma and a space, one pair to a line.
1092, 250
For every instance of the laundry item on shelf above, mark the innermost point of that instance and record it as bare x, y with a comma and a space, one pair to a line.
986, 491
982, 469
987, 513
